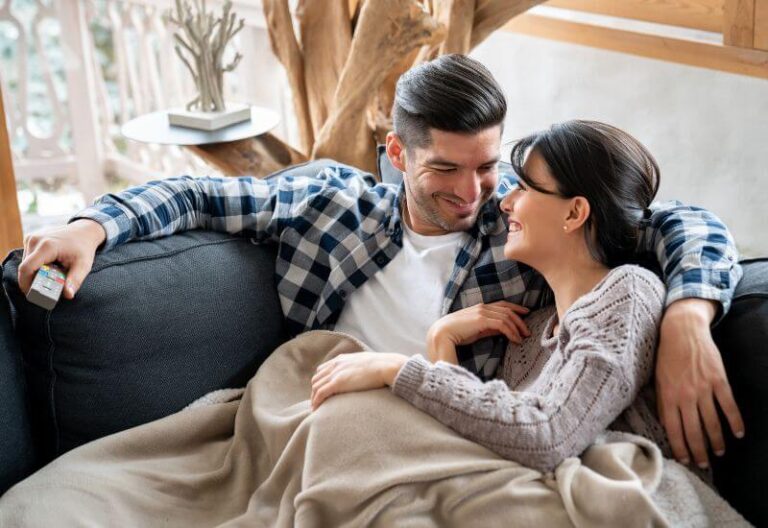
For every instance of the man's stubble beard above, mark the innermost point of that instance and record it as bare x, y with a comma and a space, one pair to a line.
430, 212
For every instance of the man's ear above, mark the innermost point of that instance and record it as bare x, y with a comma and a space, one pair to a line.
396, 151
578, 213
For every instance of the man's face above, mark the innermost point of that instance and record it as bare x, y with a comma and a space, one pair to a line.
448, 181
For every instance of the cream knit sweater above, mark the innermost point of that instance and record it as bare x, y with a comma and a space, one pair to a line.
556, 393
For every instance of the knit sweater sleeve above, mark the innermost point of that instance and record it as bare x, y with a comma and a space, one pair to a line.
596, 371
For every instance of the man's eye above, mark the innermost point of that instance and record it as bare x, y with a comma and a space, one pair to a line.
488, 168
445, 169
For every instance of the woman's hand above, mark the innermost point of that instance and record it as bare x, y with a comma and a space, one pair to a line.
470, 324
354, 372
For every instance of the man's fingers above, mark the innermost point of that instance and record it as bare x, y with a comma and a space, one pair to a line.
712, 425
674, 427
75, 277
727, 403
694, 436
42, 254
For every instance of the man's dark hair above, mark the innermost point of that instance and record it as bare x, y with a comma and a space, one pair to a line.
452, 93
611, 169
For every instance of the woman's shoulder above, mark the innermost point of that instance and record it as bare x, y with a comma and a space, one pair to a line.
633, 278
623, 287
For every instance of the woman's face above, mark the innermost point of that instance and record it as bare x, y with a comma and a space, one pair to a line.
536, 219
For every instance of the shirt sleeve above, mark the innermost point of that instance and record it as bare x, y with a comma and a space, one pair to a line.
248, 206
695, 251
600, 375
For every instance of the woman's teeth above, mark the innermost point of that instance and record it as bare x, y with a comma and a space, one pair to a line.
514, 227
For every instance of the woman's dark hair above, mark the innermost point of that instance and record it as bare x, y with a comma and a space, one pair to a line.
615, 173
452, 93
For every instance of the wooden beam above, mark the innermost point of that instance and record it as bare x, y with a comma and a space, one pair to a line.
761, 25
713, 56
10, 219
258, 156
739, 23
705, 15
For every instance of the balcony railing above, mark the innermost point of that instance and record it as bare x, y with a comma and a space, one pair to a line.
72, 71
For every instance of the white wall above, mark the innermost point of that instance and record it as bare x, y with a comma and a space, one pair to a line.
708, 129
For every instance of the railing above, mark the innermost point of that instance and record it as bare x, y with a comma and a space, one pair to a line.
72, 71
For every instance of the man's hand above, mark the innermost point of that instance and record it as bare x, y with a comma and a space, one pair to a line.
73, 246
690, 377
355, 372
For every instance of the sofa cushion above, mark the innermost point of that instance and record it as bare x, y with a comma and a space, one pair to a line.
741, 475
155, 325
17, 453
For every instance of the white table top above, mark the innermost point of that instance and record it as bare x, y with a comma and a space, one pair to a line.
154, 128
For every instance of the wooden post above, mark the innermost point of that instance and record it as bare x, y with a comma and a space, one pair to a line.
739, 23
761, 25
10, 219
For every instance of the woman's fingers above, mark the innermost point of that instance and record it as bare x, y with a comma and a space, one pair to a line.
515, 307
499, 323
514, 319
321, 392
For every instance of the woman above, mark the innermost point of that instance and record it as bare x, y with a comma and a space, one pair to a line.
584, 187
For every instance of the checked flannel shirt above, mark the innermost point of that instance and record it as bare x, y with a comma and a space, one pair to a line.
335, 230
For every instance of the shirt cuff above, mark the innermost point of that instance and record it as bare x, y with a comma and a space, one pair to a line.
115, 222
410, 376
716, 285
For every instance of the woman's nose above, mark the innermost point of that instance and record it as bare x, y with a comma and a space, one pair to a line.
507, 203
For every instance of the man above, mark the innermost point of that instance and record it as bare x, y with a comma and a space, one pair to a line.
351, 254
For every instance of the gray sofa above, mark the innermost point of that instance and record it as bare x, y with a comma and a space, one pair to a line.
160, 323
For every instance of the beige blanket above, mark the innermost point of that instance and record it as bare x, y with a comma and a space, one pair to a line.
362, 459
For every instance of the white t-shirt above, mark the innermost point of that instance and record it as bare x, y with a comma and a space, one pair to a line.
393, 310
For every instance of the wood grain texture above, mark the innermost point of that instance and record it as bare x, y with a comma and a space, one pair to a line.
259, 156
387, 31
490, 15
286, 49
724, 58
10, 219
706, 15
739, 23
761, 25
326, 37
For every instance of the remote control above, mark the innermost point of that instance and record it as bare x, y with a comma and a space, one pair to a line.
47, 286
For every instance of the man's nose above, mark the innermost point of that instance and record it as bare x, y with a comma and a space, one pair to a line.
470, 188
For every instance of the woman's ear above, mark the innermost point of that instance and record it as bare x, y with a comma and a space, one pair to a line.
395, 151
577, 214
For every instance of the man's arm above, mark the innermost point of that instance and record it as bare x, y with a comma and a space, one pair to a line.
249, 206
699, 264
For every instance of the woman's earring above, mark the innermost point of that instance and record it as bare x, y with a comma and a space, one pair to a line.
565, 228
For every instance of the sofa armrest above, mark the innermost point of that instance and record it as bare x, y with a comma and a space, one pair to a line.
17, 452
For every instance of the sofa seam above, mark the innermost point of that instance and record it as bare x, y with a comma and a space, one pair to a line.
167, 254
52, 387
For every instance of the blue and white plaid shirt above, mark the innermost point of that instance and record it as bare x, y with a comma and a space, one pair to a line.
336, 230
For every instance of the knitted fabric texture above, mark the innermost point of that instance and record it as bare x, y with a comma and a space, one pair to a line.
554, 394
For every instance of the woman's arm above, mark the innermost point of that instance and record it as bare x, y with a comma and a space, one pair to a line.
602, 371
